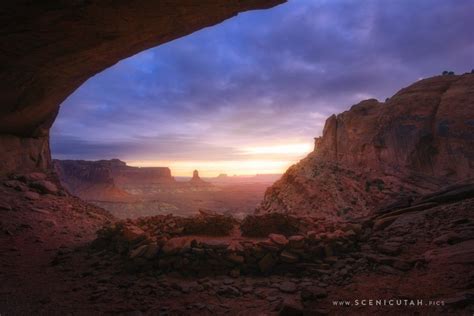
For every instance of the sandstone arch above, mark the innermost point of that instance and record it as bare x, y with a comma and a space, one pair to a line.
49, 48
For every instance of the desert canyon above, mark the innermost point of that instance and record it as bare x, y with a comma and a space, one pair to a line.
382, 207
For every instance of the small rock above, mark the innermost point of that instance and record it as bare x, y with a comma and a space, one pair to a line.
32, 195
132, 233
216, 244
278, 239
383, 223
235, 246
228, 291
390, 248
139, 251
288, 257
296, 242
272, 298
401, 265
356, 228
50, 223
234, 273
228, 281
5, 207
291, 307
236, 258
247, 290
41, 211
388, 270
287, 287
35, 176
448, 238
313, 293
268, 245
198, 251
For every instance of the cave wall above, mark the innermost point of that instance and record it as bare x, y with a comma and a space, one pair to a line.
49, 48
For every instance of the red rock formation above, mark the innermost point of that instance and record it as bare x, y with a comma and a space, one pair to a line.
89, 180
48, 49
107, 179
197, 181
418, 141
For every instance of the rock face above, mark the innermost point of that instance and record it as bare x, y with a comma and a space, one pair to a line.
48, 49
107, 179
44, 243
416, 142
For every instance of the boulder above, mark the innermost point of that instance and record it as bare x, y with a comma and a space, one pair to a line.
44, 186
177, 245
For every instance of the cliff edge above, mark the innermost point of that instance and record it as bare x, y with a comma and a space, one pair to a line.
376, 153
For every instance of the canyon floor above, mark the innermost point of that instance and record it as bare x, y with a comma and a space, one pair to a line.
238, 199
50, 268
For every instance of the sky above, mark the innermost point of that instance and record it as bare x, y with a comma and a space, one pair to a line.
248, 95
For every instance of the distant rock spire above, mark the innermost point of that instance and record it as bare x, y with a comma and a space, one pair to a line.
197, 181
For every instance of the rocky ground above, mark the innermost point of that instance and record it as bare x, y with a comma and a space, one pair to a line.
50, 264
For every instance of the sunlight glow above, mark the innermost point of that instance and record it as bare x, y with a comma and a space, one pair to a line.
214, 168
290, 149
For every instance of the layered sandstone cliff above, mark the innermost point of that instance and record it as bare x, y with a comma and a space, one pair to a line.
416, 142
108, 179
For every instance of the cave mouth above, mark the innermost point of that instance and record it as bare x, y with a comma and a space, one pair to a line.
243, 98
171, 131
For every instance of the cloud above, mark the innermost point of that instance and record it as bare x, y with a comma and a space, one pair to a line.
264, 78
